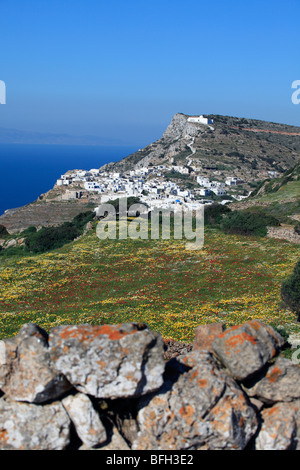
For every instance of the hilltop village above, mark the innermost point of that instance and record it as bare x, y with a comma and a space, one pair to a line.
171, 183
151, 185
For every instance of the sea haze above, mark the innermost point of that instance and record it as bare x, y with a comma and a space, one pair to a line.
26, 171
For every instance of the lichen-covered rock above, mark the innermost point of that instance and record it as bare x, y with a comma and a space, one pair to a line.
26, 372
245, 349
118, 391
206, 334
233, 420
280, 427
25, 426
281, 383
109, 361
202, 409
115, 442
85, 419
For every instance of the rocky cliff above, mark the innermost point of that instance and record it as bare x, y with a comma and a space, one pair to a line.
114, 387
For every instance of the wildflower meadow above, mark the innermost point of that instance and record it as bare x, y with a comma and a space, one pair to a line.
231, 280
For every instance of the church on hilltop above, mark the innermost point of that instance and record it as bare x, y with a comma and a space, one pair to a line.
200, 120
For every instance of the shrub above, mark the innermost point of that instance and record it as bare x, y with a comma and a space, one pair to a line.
248, 223
28, 231
3, 231
290, 291
50, 238
213, 214
14, 251
297, 228
82, 219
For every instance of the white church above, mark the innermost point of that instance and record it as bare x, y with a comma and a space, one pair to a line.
200, 120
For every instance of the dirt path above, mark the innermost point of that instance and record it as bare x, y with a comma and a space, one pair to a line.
193, 151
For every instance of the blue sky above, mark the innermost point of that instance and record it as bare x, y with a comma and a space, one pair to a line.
124, 68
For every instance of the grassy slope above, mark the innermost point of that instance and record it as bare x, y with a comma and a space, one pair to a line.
280, 197
232, 279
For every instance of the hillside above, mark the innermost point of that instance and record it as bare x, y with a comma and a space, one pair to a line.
246, 148
249, 150
41, 213
279, 197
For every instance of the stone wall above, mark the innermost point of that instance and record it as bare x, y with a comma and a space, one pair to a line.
116, 387
284, 233
42, 213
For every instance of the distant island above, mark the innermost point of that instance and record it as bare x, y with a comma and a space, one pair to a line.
15, 136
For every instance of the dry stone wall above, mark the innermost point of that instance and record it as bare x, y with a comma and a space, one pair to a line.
284, 233
118, 387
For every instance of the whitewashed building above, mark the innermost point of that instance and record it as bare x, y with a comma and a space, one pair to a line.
92, 186
200, 120
202, 180
232, 181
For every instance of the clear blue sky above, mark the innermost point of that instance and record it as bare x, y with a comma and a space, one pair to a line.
124, 68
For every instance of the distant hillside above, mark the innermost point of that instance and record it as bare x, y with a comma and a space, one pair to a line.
246, 148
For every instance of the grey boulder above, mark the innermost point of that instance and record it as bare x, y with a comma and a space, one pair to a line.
109, 361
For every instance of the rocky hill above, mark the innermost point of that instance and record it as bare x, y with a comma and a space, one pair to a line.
246, 148
110, 387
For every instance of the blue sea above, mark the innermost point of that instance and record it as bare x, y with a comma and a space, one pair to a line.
26, 171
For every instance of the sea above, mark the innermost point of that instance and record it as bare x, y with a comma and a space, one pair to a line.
26, 171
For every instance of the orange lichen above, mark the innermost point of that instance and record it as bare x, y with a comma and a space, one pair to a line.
225, 333
187, 413
3, 435
274, 374
193, 375
255, 324
102, 364
238, 340
86, 333
202, 383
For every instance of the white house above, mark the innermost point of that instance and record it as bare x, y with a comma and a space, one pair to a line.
94, 172
219, 191
92, 186
233, 181
63, 182
204, 192
180, 169
202, 181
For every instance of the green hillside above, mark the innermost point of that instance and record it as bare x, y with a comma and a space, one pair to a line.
279, 197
